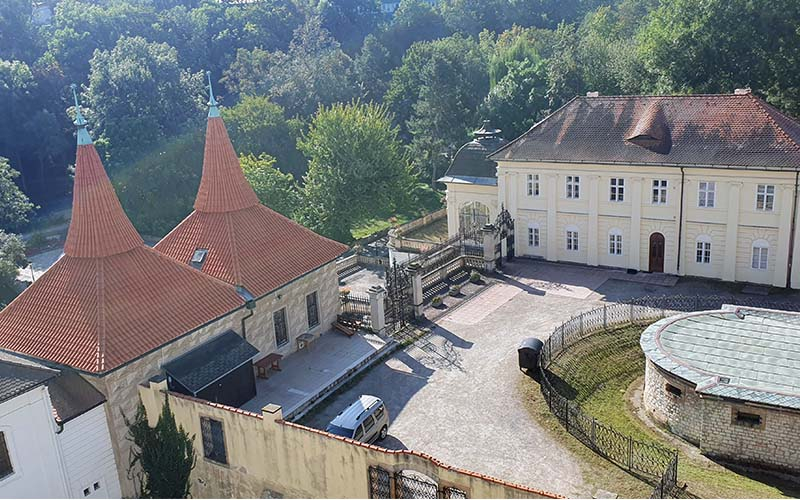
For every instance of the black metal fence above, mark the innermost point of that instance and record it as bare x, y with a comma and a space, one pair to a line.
355, 309
407, 484
651, 461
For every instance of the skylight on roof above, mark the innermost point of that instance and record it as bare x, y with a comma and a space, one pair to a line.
198, 258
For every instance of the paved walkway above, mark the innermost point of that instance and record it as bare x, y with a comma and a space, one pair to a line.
365, 278
305, 373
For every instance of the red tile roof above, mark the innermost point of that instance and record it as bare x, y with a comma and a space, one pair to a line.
248, 244
110, 298
736, 130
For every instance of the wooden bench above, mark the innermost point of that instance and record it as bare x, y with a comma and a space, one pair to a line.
267, 363
344, 329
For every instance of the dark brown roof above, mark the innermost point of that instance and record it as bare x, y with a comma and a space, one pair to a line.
247, 243
72, 396
18, 376
732, 130
470, 163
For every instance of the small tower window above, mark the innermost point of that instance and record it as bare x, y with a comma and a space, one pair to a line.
674, 391
746, 419
198, 258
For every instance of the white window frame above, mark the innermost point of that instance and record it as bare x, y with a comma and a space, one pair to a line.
572, 239
760, 255
765, 195
706, 194
616, 190
534, 236
533, 186
573, 187
659, 192
703, 250
615, 242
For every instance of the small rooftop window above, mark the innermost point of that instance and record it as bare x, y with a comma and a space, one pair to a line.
198, 258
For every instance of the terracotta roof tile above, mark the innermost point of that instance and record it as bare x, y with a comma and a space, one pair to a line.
738, 130
110, 298
248, 244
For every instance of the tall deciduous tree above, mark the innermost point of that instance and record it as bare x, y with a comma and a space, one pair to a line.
12, 257
162, 457
274, 188
139, 94
15, 208
357, 168
258, 126
313, 72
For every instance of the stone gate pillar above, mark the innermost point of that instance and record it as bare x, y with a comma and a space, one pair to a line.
417, 298
377, 296
489, 244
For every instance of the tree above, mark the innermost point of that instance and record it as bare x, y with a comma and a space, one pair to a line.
314, 72
719, 45
274, 189
162, 457
158, 190
349, 21
373, 67
15, 208
258, 126
138, 94
12, 257
357, 168
435, 95
19, 39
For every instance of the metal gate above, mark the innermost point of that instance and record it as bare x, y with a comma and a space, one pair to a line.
504, 230
407, 484
412, 486
399, 303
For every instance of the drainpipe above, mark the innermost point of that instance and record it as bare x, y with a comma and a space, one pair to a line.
250, 305
680, 222
792, 230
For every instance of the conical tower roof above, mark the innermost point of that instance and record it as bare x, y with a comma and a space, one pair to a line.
231, 236
109, 299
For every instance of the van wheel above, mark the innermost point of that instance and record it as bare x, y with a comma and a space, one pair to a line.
383, 433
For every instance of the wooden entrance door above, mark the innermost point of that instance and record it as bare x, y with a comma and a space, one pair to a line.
656, 253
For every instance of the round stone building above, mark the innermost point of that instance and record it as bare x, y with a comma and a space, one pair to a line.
728, 381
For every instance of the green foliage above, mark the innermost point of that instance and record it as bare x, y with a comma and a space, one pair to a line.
138, 94
719, 45
15, 208
18, 37
158, 190
357, 168
275, 189
162, 457
313, 72
435, 93
12, 257
349, 21
258, 126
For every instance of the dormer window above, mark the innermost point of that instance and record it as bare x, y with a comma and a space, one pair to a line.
198, 258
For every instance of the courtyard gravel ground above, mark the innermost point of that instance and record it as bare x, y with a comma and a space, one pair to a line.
455, 394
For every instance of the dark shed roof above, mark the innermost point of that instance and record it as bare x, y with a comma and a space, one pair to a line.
18, 376
73, 396
470, 164
211, 361
730, 130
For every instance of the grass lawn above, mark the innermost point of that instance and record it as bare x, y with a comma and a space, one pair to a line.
598, 374
373, 226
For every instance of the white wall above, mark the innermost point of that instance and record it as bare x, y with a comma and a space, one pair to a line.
88, 456
30, 433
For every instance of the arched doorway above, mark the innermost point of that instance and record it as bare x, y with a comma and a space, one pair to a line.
656, 253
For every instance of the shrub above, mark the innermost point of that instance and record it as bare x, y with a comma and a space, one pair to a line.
455, 290
437, 301
475, 276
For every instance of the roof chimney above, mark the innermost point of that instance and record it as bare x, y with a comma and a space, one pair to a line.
743, 91
593, 94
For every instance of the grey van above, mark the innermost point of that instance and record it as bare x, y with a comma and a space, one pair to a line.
365, 420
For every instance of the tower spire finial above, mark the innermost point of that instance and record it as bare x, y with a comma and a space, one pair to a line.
80, 121
213, 110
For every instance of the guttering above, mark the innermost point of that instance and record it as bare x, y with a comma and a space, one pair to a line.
680, 222
792, 230
765, 168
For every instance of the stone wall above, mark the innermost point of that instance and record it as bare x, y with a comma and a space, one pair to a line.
270, 458
710, 423
120, 385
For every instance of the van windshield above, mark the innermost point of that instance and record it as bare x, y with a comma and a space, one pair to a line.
339, 431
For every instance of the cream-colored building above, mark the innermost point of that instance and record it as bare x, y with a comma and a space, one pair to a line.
687, 185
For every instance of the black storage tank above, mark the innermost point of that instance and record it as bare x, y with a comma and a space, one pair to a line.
529, 350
